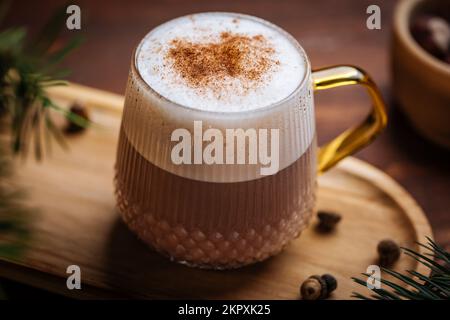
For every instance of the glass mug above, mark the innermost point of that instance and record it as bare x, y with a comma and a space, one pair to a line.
221, 215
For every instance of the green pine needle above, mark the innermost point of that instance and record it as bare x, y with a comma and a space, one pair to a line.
27, 69
413, 285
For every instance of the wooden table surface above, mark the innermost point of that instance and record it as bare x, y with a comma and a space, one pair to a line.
332, 32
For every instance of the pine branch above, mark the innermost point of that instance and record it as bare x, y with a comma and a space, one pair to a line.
435, 286
27, 69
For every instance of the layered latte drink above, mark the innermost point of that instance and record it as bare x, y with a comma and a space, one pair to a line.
199, 77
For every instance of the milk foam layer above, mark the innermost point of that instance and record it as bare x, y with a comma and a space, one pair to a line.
148, 120
277, 83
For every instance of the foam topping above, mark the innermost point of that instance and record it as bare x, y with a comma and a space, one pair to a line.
220, 62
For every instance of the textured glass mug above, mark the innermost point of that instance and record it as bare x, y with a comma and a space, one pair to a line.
227, 216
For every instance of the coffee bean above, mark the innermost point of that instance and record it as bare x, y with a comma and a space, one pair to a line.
388, 252
80, 111
327, 220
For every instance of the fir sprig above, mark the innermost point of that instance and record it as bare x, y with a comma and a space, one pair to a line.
413, 285
27, 69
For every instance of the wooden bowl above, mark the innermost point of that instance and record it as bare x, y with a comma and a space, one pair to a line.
421, 82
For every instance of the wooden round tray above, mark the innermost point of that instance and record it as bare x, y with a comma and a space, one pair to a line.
77, 224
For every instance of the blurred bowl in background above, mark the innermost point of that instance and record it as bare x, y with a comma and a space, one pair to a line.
421, 82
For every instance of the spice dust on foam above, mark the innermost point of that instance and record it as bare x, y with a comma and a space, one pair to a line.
236, 63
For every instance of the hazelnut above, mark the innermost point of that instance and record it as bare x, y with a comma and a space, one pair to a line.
318, 287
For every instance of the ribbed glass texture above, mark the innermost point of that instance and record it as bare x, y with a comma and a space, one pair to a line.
213, 216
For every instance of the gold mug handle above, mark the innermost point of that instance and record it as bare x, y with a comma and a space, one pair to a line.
357, 137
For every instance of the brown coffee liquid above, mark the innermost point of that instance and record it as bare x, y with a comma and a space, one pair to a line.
214, 225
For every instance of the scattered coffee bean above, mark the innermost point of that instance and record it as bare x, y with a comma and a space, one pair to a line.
330, 281
327, 220
388, 252
80, 111
318, 287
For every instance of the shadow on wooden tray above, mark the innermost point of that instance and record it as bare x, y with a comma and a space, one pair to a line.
134, 270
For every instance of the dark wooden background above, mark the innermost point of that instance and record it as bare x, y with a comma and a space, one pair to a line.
332, 32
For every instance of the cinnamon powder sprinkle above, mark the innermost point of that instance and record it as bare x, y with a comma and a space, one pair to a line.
208, 64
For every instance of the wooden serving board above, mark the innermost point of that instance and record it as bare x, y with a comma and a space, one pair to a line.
77, 224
